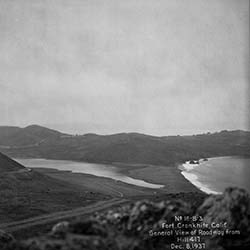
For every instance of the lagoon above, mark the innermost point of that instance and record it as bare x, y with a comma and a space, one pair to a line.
101, 170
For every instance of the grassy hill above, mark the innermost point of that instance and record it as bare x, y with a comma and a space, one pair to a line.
131, 147
25, 193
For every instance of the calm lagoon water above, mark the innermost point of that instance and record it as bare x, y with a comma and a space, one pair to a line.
100, 170
214, 175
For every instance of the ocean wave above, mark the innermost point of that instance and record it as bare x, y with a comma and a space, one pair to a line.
194, 180
188, 166
186, 170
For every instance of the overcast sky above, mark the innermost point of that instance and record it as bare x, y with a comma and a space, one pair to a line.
157, 67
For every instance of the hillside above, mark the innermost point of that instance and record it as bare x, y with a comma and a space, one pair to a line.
25, 193
129, 147
7, 164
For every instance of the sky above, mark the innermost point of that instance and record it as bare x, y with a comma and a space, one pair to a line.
161, 67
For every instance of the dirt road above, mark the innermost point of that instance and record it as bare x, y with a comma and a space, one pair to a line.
64, 215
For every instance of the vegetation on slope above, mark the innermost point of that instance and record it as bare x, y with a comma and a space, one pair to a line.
130, 227
136, 148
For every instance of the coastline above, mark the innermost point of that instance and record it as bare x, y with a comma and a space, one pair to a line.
185, 169
188, 171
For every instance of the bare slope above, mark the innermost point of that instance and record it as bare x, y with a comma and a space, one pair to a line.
7, 164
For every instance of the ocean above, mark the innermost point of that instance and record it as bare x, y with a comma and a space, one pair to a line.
216, 174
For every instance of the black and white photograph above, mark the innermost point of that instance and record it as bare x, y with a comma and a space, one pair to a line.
124, 125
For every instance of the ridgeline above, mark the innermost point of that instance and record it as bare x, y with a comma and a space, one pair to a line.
39, 142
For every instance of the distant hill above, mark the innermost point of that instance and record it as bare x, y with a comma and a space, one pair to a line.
129, 147
31, 135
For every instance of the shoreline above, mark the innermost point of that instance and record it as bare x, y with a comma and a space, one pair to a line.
187, 168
